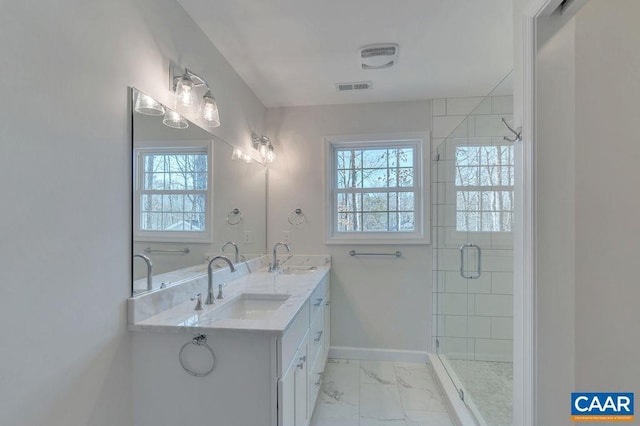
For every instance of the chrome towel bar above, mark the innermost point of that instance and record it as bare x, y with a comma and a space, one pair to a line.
149, 250
355, 253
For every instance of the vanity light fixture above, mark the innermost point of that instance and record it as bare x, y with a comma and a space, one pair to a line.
264, 147
209, 110
146, 105
174, 120
186, 86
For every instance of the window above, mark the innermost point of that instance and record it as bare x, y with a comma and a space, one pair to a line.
376, 191
172, 193
484, 183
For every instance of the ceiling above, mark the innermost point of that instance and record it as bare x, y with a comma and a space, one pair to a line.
293, 52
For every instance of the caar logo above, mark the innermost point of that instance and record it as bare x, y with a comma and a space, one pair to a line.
601, 407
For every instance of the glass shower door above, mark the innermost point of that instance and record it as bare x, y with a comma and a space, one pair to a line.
473, 254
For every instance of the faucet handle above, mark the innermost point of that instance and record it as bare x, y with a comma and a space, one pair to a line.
199, 306
220, 295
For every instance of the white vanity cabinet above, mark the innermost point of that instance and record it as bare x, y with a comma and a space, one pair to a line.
301, 380
261, 378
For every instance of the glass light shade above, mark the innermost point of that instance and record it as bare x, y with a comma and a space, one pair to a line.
209, 110
271, 154
246, 158
185, 90
174, 120
237, 154
146, 105
263, 150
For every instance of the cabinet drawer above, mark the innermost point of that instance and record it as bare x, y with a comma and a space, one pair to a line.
316, 335
318, 297
293, 337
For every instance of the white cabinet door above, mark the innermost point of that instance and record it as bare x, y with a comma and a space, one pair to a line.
286, 398
327, 322
301, 372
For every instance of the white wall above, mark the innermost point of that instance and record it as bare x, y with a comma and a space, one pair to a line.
555, 183
607, 199
65, 218
377, 303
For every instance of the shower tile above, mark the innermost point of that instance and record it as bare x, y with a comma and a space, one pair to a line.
484, 107
502, 283
490, 125
502, 328
494, 350
494, 305
443, 126
502, 104
463, 106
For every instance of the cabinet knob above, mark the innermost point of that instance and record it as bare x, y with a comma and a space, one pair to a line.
319, 378
303, 359
317, 339
327, 303
319, 302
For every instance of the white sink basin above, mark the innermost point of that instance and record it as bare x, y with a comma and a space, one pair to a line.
298, 270
252, 306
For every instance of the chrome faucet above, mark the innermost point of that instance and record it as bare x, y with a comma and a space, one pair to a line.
147, 260
235, 246
210, 298
274, 265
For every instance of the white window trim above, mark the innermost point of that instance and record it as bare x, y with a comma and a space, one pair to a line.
422, 234
174, 236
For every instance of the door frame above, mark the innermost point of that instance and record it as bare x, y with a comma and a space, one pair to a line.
525, 244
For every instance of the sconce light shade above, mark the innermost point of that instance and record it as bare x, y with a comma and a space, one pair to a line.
185, 90
146, 105
209, 110
271, 154
174, 120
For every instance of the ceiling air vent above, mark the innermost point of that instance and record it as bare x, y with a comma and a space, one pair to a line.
358, 85
378, 56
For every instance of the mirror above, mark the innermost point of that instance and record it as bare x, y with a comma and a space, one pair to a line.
192, 193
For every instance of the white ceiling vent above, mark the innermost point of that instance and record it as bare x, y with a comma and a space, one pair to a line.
378, 56
358, 85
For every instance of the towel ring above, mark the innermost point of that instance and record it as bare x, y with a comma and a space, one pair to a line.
234, 217
296, 220
199, 340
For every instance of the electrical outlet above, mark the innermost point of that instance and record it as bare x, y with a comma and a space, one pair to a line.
247, 237
286, 237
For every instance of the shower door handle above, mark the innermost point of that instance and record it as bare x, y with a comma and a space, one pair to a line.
463, 249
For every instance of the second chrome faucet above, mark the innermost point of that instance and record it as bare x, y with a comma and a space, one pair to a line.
274, 265
210, 298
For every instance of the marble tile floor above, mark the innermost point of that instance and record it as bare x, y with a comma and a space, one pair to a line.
373, 393
490, 385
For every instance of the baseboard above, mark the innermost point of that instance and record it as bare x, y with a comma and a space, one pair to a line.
372, 354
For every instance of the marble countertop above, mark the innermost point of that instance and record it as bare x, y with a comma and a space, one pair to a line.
182, 318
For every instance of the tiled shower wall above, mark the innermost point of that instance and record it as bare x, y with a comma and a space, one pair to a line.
473, 318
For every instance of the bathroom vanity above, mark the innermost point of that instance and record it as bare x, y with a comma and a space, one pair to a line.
269, 335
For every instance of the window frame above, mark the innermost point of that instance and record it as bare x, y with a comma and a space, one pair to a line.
139, 234
421, 143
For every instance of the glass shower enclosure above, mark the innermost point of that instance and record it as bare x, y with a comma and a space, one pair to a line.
473, 193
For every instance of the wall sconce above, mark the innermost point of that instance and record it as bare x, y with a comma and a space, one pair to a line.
264, 146
185, 86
